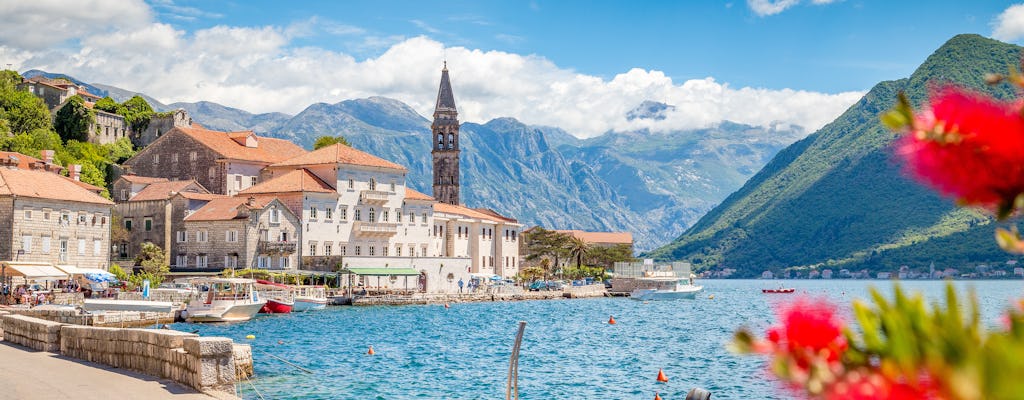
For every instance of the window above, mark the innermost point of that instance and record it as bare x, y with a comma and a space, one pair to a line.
358, 216
148, 222
384, 251
95, 247
28, 214
202, 236
328, 213
384, 216
238, 182
261, 262
343, 210
424, 218
423, 251
65, 218
252, 181
201, 261
275, 216
46, 245
156, 159
351, 183
81, 247
359, 250
412, 251
174, 157
398, 250
213, 172
284, 236
372, 215
398, 215
64, 250
82, 218
231, 236
344, 249
412, 218
392, 186
312, 248
46, 215
181, 261
26, 244
182, 236
312, 212
373, 250
128, 224
124, 194
192, 156
283, 262
373, 184
327, 249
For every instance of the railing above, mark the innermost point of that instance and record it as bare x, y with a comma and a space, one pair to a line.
375, 228
374, 196
276, 247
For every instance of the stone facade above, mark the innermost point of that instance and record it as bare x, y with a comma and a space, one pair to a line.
159, 125
266, 238
156, 221
179, 157
107, 128
55, 231
445, 149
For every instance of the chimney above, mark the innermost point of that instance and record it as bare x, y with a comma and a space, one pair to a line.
47, 156
9, 162
75, 171
251, 202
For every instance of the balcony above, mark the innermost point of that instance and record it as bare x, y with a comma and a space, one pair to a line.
276, 247
374, 196
374, 229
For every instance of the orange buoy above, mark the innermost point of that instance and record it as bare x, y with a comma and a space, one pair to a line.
657, 396
371, 352
611, 320
661, 376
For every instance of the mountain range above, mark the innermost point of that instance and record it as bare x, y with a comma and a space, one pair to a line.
838, 199
653, 184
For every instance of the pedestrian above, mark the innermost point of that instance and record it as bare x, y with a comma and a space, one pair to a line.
461, 283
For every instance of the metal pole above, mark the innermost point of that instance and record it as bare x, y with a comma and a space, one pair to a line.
512, 386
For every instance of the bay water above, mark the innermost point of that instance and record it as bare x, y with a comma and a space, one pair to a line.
569, 349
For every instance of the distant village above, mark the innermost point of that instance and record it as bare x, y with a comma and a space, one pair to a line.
1009, 270
213, 200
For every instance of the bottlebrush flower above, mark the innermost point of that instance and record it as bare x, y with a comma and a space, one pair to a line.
810, 326
870, 385
968, 146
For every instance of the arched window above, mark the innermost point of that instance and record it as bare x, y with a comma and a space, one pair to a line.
372, 215
451, 141
440, 140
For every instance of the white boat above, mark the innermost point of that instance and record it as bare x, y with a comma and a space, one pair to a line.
224, 300
665, 288
93, 305
308, 298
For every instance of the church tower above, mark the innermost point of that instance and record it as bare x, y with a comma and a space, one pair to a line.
445, 139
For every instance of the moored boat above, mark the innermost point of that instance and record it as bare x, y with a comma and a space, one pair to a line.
308, 298
280, 297
668, 287
779, 290
224, 300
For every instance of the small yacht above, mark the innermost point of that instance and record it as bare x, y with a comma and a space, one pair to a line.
224, 300
665, 286
308, 298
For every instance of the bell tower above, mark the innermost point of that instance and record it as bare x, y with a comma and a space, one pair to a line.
445, 143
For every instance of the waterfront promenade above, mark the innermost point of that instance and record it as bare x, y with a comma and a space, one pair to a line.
30, 374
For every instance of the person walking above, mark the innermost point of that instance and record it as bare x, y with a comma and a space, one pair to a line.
461, 284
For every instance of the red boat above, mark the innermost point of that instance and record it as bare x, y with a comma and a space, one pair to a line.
779, 290
280, 297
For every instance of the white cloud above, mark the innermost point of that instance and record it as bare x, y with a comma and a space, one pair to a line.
1009, 25
259, 69
765, 8
37, 24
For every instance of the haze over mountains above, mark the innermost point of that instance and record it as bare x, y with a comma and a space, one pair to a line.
837, 199
653, 184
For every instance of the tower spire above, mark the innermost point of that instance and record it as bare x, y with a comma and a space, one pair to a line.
445, 142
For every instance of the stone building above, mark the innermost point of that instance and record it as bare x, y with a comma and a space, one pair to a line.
106, 127
161, 124
154, 213
445, 138
45, 217
239, 232
223, 162
489, 239
55, 92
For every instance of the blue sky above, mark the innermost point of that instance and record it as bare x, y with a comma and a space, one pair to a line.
581, 66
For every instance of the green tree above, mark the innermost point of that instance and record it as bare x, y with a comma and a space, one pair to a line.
23, 111
325, 141
118, 272
109, 105
30, 143
73, 119
154, 265
137, 113
577, 248
120, 150
607, 256
542, 243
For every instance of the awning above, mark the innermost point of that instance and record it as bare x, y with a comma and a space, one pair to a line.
74, 270
382, 271
36, 271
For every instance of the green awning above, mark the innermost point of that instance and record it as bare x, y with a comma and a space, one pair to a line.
382, 271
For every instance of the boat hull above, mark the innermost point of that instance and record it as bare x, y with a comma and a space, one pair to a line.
778, 290
276, 307
309, 304
654, 294
233, 313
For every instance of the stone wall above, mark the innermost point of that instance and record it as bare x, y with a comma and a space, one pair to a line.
575, 292
118, 319
31, 332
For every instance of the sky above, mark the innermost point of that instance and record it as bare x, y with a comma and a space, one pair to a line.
578, 65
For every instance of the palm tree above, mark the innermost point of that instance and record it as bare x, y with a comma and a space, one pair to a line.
578, 249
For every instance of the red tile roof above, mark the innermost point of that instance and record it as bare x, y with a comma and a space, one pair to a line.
163, 190
142, 179
339, 154
414, 195
600, 237
469, 212
200, 196
300, 180
227, 208
268, 150
86, 186
24, 162
45, 185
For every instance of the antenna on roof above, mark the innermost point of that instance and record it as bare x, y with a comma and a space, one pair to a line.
445, 58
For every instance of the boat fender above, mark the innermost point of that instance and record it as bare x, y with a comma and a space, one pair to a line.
698, 394
250, 337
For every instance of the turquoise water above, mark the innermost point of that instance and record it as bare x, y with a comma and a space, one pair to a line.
569, 350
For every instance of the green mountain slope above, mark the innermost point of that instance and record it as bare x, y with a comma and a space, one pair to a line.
838, 199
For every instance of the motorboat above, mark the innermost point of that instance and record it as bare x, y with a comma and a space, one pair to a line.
309, 298
280, 297
665, 286
779, 290
224, 300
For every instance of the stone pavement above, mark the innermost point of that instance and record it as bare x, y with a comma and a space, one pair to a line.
30, 374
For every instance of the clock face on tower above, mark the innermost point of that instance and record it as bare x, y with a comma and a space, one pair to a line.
445, 139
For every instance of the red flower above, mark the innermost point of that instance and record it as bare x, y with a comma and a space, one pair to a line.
813, 326
866, 385
968, 146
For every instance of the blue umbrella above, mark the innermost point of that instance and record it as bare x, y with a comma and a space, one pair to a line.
100, 277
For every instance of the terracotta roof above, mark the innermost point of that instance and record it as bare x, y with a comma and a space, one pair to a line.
467, 212
162, 190
414, 195
86, 186
142, 179
268, 150
495, 214
300, 180
23, 160
200, 196
45, 185
600, 237
339, 154
224, 209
